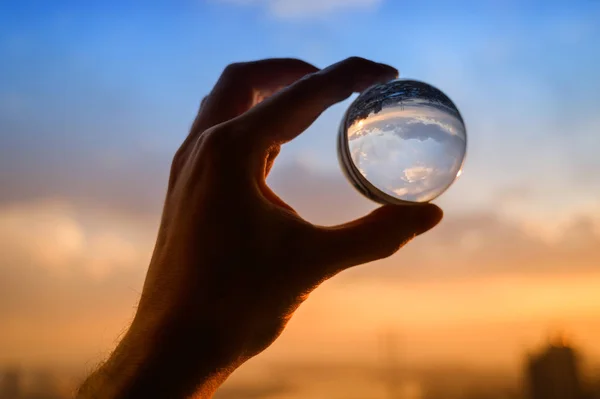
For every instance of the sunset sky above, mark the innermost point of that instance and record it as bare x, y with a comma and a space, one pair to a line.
95, 97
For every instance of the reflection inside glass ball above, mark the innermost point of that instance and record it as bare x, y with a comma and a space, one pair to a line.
403, 139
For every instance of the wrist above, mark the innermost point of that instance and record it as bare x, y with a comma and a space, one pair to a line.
162, 359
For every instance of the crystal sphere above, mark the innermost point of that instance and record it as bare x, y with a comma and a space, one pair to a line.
403, 141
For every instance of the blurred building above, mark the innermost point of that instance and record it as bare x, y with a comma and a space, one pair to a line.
554, 374
10, 384
16, 383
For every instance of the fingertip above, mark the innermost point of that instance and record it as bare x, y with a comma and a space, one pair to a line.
417, 218
428, 216
390, 72
377, 235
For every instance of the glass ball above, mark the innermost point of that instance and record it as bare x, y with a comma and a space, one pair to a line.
402, 142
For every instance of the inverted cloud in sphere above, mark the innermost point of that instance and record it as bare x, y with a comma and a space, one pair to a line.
287, 9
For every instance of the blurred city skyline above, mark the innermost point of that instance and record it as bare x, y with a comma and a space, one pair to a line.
556, 369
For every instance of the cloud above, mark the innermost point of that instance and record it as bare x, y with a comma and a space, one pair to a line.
71, 271
417, 173
56, 237
420, 156
465, 244
80, 200
298, 9
58, 231
432, 121
76, 271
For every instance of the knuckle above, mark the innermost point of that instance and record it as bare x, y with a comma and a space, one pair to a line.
178, 158
234, 71
232, 68
238, 76
385, 250
394, 246
311, 82
178, 163
356, 61
389, 250
215, 138
220, 139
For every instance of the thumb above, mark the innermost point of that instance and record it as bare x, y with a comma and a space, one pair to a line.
376, 235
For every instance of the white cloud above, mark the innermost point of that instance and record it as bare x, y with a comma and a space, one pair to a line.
306, 8
417, 173
411, 115
57, 237
447, 127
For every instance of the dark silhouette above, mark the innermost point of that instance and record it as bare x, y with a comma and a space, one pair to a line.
554, 373
10, 384
233, 261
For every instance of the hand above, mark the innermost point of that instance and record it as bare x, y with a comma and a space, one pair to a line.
232, 261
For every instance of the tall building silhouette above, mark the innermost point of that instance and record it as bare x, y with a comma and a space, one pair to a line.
554, 374
10, 384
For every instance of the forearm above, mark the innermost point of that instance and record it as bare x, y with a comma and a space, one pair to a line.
162, 362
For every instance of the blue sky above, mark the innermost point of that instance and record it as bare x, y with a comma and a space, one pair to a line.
91, 81
104, 92
95, 97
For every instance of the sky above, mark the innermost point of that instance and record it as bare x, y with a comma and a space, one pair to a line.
95, 98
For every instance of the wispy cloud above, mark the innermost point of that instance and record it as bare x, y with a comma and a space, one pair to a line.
64, 239
292, 9
63, 258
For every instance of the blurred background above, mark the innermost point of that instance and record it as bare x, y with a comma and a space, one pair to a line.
501, 301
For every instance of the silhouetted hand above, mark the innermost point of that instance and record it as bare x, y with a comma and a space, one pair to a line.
232, 261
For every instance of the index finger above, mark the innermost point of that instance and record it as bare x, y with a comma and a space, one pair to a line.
241, 83
288, 113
